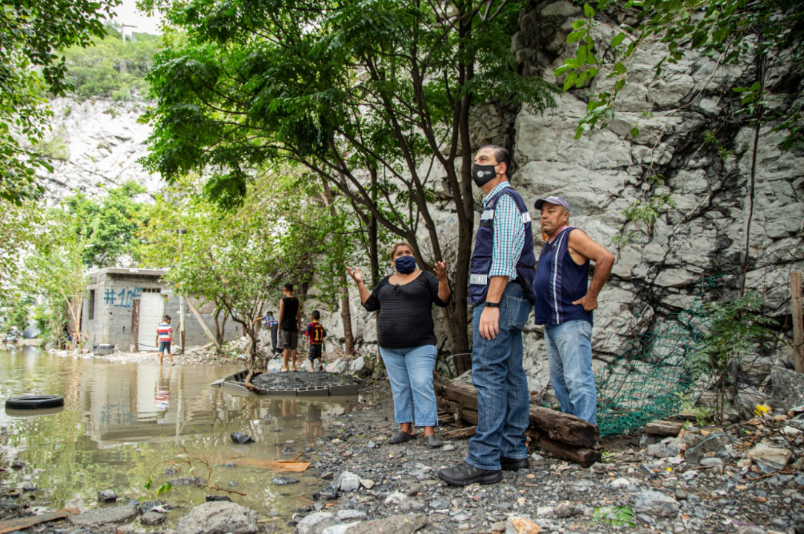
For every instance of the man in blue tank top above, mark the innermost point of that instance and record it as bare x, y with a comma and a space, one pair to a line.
501, 291
564, 304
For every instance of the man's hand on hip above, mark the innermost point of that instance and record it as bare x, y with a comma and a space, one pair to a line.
588, 302
489, 323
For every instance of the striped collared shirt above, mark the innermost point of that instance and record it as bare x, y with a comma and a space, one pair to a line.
509, 234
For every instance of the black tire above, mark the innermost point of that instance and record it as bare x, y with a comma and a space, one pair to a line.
34, 402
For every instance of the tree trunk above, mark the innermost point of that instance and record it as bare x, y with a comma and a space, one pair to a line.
374, 252
346, 309
220, 325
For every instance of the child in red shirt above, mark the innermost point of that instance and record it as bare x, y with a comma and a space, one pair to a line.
315, 335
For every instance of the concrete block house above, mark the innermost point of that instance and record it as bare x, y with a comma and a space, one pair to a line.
123, 307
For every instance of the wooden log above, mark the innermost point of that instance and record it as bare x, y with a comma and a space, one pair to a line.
663, 428
583, 456
798, 320
464, 414
558, 426
460, 433
564, 427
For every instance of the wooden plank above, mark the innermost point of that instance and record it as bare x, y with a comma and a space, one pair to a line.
798, 320
663, 428
581, 455
20, 523
203, 325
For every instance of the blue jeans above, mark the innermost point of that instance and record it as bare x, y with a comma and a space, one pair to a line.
569, 349
502, 388
410, 372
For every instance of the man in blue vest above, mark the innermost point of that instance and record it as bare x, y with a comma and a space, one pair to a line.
564, 304
501, 291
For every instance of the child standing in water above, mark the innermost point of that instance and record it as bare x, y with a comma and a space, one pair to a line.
315, 338
164, 337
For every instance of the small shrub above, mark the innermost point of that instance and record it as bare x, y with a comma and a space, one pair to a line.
616, 516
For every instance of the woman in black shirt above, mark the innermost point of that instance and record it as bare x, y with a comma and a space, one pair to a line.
406, 337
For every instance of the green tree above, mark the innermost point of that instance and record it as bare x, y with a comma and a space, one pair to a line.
18, 228
733, 331
32, 33
55, 272
111, 69
363, 94
108, 226
235, 258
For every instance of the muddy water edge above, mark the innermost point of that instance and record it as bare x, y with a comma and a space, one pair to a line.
126, 422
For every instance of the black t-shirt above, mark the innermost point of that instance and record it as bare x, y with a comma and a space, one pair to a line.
289, 322
406, 317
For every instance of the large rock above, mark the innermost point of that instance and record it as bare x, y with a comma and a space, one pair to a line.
400, 524
520, 524
218, 518
105, 516
703, 445
316, 522
667, 448
788, 388
769, 459
656, 504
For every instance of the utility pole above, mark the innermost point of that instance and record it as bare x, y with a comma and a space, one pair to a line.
181, 299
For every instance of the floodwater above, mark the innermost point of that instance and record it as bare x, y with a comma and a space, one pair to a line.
125, 422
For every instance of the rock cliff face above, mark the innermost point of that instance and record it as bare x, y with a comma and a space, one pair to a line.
601, 174
96, 145
658, 273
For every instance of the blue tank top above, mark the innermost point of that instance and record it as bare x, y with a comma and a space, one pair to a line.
559, 282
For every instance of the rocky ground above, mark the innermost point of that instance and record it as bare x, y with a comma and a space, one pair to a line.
748, 477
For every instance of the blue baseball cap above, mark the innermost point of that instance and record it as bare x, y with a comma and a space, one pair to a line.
558, 201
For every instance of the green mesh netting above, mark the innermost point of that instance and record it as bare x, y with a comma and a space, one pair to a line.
648, 380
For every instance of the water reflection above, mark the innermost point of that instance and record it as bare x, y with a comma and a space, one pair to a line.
120, 420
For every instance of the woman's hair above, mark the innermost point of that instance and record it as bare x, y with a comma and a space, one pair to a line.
399, 244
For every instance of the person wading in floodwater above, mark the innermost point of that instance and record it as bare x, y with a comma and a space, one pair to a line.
406, 337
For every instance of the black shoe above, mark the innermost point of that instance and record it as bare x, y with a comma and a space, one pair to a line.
464, 474
401, 437
513, 464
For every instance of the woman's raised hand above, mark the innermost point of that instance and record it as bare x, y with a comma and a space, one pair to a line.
440, 269
355, 274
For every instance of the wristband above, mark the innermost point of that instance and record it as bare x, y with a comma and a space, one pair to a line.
492, 304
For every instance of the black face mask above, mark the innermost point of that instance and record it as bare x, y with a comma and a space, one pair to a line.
483, 174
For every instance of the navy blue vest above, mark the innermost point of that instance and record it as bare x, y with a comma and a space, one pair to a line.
560, 282
484, 245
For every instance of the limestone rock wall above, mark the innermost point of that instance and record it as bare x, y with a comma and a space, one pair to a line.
96, 144
602, 173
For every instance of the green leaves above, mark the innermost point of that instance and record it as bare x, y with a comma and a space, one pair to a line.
617, 516
32, 36
164, 488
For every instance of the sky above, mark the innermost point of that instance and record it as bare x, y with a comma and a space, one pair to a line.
127, 13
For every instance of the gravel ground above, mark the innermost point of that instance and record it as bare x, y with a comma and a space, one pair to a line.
670, 494
720, 482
